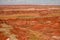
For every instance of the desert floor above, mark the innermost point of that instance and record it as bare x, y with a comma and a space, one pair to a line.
29, 22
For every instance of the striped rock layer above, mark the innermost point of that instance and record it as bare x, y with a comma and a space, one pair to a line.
29, 22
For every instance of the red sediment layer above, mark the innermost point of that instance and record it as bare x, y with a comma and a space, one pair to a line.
30, 22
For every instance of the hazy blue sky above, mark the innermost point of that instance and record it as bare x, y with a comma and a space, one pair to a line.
51, 2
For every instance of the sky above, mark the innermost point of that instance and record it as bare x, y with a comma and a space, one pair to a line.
31, 2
